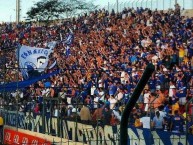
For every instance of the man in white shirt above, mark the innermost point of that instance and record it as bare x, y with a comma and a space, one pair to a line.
119, 95
146, 99
172, 89
112, 101
145, 121
101, 94
92, 90
123, 77
96, 100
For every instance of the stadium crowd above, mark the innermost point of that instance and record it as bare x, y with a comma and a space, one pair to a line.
100, 70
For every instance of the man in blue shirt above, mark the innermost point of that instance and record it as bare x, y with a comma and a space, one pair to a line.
182, 91
152, 84
176, 123
112, 88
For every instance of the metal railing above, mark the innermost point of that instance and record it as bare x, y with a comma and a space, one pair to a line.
119, 5
65, 128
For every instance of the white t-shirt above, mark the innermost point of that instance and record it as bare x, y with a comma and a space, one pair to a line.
96, 99
43, 92
46, 92
119, 96
154, 59
149, 23
56, 112
21, 94
145, 121
122, 76
112, 102
93, 88
100, 84
143, 42
171, 93
146, 98
69, 100
123, 16
14, 94
102, 95
158, 42
162, 114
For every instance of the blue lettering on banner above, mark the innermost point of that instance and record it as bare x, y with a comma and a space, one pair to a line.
35, 51
46, 53
29, 52
39, 50
13, 118
24, 55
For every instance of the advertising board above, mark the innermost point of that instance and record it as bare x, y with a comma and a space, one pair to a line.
14, 137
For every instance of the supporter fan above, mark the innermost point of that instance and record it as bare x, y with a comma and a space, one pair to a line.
85, 114
176, 123
158, 121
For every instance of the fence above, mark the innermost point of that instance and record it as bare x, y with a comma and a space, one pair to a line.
119, 5
89, 133
72, 129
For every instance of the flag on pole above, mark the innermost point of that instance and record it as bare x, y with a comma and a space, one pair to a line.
33, 58
68, 42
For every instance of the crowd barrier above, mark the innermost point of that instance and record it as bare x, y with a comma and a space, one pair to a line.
89, 134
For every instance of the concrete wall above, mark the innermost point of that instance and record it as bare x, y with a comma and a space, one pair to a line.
188, 13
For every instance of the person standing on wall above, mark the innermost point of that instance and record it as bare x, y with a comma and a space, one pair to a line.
1, 128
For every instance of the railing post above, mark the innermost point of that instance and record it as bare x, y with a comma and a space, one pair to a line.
43, 117
59, 124
183, 5
108, 7
146, 3
117, 6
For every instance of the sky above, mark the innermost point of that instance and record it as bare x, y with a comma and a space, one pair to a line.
8, 7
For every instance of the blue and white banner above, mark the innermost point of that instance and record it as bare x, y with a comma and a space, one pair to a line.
33, 58
87, 133
69, 38
68, 42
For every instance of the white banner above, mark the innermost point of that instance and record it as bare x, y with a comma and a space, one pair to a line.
33, 58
